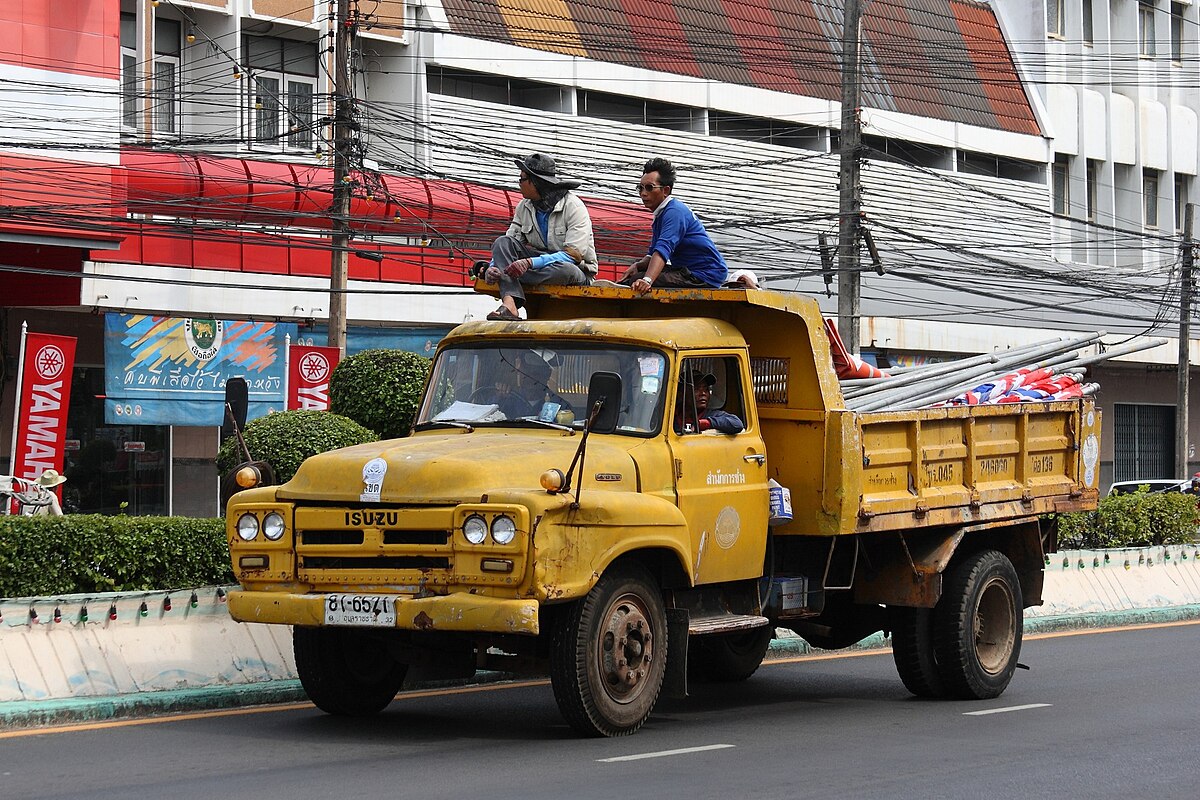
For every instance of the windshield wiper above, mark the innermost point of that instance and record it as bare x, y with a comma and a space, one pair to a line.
539, 422
450, 423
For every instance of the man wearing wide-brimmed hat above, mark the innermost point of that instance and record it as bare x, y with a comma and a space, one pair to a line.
47, 481
549, 241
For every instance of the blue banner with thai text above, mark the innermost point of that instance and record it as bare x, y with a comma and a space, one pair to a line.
172, 370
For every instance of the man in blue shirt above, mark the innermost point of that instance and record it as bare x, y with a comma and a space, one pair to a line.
681, 253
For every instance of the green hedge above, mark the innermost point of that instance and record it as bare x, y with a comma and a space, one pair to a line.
379, 389
286, 438
1139, 519
80, 553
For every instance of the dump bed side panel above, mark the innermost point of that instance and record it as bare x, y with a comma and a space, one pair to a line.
958, 465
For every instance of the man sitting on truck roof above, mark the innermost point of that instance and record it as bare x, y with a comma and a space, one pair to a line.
682, 254
692, 414
549, 240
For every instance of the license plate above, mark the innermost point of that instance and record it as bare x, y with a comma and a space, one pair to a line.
360, 609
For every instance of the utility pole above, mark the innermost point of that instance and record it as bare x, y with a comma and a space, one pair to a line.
1185, 313
342, 90
849, 277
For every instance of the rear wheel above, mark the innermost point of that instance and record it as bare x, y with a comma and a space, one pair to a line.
977, 626
730, 657
913, 651
609, 654
346, 672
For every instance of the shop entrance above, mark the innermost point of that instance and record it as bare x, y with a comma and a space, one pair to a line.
112, 469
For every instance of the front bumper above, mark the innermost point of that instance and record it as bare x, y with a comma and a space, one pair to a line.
458, 611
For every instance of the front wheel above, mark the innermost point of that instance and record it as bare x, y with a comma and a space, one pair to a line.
344, 672
609, 654
977, 626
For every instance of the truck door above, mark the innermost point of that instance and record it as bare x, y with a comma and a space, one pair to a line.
721, 478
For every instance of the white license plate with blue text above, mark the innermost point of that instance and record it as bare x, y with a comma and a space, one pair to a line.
360, 609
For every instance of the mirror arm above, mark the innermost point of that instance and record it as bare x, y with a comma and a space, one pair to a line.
578, 459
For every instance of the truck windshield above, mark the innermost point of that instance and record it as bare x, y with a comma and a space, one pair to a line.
500, 384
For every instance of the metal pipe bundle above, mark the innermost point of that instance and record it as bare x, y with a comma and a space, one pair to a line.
930, 384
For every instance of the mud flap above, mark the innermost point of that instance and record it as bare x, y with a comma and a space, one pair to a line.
675, 679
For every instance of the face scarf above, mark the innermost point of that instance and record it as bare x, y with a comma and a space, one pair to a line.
549, 194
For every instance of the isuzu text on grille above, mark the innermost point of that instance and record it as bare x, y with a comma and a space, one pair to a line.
372, 519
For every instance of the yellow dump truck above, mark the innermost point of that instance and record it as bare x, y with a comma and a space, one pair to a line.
599, 493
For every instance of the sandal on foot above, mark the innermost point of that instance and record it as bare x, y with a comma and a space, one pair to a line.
502, 314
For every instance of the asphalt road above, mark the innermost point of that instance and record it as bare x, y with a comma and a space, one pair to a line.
1110, 714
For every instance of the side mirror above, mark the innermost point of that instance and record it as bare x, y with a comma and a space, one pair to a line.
605, 388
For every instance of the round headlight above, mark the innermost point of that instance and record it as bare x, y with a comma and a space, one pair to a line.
475, 529
247, 526
503, 530
272, 526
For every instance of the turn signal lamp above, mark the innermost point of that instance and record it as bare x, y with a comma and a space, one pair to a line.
553, 480
248, 477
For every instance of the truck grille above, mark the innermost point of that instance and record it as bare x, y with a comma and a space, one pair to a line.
394, 546
356, 537
375, 562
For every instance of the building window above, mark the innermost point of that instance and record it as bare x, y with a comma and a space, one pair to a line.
638, 111
1061, 184
1177, 33
1093, 183
497, 89
164, 107
282, 89
767, 131
1089, 27
1183, 185
1143, 441
1146, 43
1056, 18
1150, 197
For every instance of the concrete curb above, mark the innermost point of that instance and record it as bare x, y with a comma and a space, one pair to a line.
85, 659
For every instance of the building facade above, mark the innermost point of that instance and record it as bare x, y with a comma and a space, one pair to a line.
173, 159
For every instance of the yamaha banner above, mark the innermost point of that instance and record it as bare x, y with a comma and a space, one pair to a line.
172, 370
41, 428
309, 368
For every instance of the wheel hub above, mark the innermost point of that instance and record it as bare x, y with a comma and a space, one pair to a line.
626, 648
995, 626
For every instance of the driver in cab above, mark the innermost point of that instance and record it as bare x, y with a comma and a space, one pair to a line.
525, 391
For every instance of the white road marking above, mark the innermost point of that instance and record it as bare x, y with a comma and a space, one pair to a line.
1002, 710
663, 753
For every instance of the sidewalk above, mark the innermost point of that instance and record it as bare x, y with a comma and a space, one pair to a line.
76, 658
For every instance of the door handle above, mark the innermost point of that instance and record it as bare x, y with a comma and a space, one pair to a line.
758, 458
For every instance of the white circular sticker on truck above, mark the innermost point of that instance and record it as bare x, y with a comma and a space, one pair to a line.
1091, 457
729, 526
373, 472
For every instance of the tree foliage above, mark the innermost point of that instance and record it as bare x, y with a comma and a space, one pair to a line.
285, 439
380, 389
78, 553
1138, 519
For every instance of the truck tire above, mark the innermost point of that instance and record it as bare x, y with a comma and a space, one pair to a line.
608, 654
730, 657
344, 672
913, 651
977, 626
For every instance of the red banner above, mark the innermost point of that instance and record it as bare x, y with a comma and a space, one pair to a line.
309, 369
42, 408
